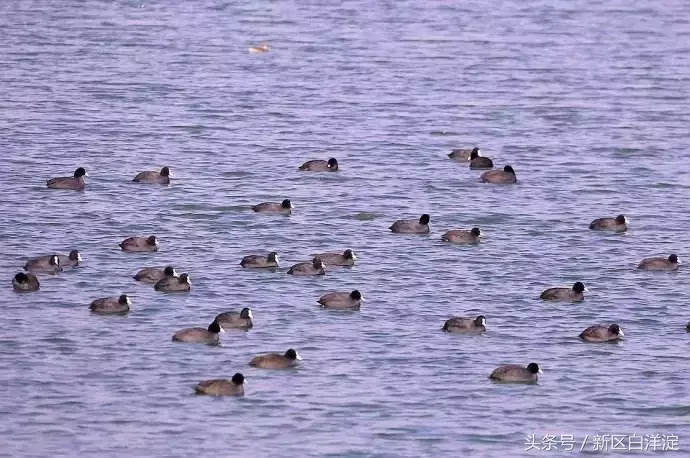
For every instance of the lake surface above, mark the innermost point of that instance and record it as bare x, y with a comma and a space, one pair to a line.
587, 100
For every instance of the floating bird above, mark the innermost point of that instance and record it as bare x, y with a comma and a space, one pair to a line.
25, 282
317, 165
75, 182
235, 320
341, 300
505, 176
71, 260
285, 207
181, 284
459, 237
162, 177
465, 325
111, 305
304, 269
462, 155
516, 374
660, 263
411, 226
154, 274
260, 262
617, 224
277, 361
574, 294
49, 264
140, 244
344, 259
478, 162
221, 387
200, 335
600, 333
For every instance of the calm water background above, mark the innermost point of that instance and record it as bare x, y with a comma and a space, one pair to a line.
587, 100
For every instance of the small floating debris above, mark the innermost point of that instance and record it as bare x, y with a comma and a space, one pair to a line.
263, 47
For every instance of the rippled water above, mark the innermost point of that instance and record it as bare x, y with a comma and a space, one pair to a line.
588, 101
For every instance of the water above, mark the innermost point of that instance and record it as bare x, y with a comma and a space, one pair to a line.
587, 100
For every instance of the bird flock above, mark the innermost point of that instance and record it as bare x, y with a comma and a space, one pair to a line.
167, 280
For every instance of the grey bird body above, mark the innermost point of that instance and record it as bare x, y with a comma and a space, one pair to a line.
514, 373
411, 226
75, 183
344, 259
505, 176
317, 165
181, 284
152, 177
260, 261
601, 333
305, 269
461, 237
341, 300
617, 224
465, 325
111, 305
222, 387
199, 335
25, 282
276, 360
282, 208
236, 320
140, 244
670, 263
573, 294
49, 264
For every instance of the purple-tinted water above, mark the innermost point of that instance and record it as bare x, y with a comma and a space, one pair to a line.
587, 100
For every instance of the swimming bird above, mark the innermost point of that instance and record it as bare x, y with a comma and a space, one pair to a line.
516, 373
222, 387
600, 333
235, 320
574, 294
260, 262
71, 260
154, 274
411, 226
111, 305
200, 335
49, 264
140, 244
341, 300
262, 48
277, 361
617, 224
304, 269
75, 182
318, 165
181, 284
25, 282
470, 237
285, 207
505, 176
344, 259
462, 155
150, 176
465, 325
478, 162
659, 263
